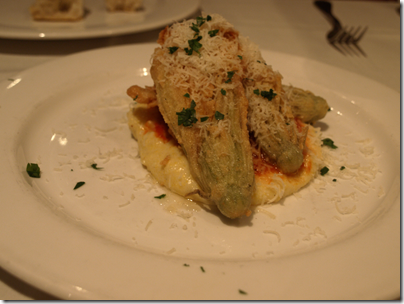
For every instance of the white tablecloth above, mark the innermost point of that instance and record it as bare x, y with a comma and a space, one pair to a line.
294, 27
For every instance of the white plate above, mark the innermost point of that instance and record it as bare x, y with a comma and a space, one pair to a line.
111, 239
16, 21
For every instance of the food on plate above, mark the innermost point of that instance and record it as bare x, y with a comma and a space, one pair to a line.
270, 117
308, 107
57, 10
123, 5
33, 170
73, 10
217, 126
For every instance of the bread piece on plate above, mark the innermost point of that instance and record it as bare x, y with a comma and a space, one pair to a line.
57, 10
123, 5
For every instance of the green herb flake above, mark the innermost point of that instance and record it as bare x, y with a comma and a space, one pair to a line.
204, 118
203, 269
342, 168
200, 20
242, 292
186, 265
218, 115
241, 57
33, 170
134, 99
268, 94
78, 185
324, 171
172, 49
329, 109
208, 18
195, 28
230, 76
187, 116
256, 92
223, 92
334, 180
188, 51
329, 142
187, 95
160, 196
94, 166
194, 45
213, 33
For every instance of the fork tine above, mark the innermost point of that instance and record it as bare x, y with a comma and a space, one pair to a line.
355, 33
348, 35
333, 39
349, 38
337, 48
343, 39
359, 48
343, 35
359, 37
356, 37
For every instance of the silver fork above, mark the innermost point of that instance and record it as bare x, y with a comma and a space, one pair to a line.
341, 38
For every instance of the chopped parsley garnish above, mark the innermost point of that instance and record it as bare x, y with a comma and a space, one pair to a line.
160, 196
188, 51
268, 94
241, 57
230, 76
342, 168
256, 92
186, 95
213, 33
94, 166
334, 180
194, 45
186, 265
172, 49
223, 92
242, 292
200, 20
258, 61
329, 142
78, 185
187, 116
324, 171
135, 97
195, 28
203, 269
33, 170
204, 118
329, 109
218, 115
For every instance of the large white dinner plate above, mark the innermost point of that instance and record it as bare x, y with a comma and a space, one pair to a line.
112, 239
16, 21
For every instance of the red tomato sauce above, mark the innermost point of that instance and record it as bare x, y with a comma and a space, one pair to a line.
160, 129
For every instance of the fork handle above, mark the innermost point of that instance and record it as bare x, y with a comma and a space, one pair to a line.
326, 8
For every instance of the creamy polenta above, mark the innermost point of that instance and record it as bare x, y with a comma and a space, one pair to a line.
161, 154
